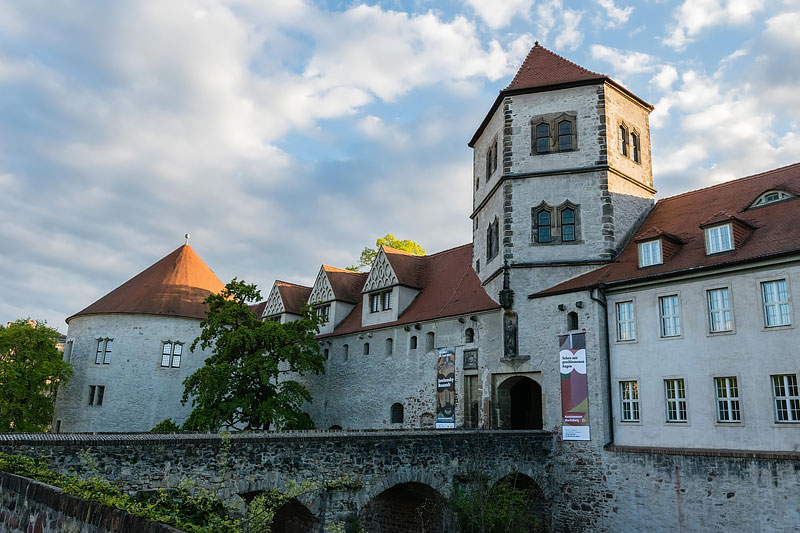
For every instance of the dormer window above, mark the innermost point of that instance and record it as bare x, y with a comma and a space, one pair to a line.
387, 300
719, 239
650, 253
771, 197
380, 301
323, 312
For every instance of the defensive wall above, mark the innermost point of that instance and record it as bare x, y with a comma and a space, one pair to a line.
582, 487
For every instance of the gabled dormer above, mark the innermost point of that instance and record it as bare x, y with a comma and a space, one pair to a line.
725, 232
655, 246
391, 286
335, 293
285, 302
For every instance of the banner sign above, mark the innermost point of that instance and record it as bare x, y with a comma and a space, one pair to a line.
446, 389
574, 387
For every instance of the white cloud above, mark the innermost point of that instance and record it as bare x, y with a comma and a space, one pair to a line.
693, 16
617, 16
667, 75
498, 13
624, 63
570, 37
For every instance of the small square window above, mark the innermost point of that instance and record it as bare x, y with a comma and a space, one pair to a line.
719, 239
650, 253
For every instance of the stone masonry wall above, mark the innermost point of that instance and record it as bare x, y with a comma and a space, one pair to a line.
29, 506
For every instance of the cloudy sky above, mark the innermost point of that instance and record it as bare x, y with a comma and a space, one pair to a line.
282, 134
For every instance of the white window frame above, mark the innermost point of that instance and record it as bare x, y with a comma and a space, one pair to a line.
778, 304
788, 401
650, 253
673, 319
629, 406
675, 401
628, 322
710, 302
375, 302
103, 352
386, 301
719, 231
728, 402
171, 354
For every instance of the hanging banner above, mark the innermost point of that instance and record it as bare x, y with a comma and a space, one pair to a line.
446, 389
574, 387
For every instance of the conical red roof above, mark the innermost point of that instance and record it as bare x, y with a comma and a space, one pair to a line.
174, 286
543, 67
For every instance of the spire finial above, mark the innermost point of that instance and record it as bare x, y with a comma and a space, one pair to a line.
536, 43
186, 242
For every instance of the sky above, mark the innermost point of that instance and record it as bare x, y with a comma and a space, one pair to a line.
284, 134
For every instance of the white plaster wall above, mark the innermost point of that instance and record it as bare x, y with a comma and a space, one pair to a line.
751, 353
139, 392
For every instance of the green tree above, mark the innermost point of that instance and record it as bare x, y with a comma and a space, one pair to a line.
368, 254
30, 370
240, 385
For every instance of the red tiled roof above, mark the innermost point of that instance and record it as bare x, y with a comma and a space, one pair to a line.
775, 229
174, 286
294, 296
449, 287
543, 68
407, 266
346, 284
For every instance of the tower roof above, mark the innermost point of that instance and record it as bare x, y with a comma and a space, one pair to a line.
544, 70
174, 286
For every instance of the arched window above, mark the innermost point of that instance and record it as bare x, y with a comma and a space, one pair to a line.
635, 147
564, 135
389, 346
325, 354
469, 335
542, 138
567, 224
492, 240
543, 226
430, 341
345, 351
623, 140
412, 342
397, 413
366, 348
572, 321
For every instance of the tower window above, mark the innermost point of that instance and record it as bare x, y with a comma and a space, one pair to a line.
389, 346
542, 138
572, 321
397, 413
543, 226
469, 335
491, 160
366, 348
412, 342
568, 225
103, 351
635, 147
430, 340
564, 135
345, 352
623, 140
492, 240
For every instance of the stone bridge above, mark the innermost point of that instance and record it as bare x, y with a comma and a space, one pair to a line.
401, 480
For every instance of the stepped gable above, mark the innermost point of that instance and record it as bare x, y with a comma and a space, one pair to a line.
544, 70
773, 229
407, 266
294, 296
346, 284
450, 287
174, 286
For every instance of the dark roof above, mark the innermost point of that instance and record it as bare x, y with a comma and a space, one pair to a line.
544, 70
769, 231
294, 296
449, 287
346, 284
258, 308
406, 266
174, 286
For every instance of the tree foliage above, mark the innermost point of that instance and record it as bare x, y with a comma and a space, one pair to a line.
241, 386
30, 370
368, 254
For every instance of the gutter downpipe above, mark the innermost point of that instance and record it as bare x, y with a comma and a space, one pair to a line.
604, 304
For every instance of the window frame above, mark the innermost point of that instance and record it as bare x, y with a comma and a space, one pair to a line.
678, 401
733, 403
171, 355
572, 133
777, 303
634, 404
622, 135
710, 310
492, 240
412, 342
386, 300
389, 346
651, 245
676, 316
631, 320
636, 146
393, 411
708, 237
535, 137
792, 406
375, 302
491, 159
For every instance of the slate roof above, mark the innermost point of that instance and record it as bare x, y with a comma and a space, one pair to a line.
449, 287
294, 296
174, 286
544, 70
346, 284
771, 230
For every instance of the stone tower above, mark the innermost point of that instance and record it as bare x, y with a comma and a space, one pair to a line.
561, 174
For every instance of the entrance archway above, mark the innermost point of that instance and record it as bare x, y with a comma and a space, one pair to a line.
519, 401
408, 508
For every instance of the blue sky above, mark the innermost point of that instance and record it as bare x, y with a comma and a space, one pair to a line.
286, 134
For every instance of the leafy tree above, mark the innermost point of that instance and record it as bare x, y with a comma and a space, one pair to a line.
30, 370
368, 254
240, 385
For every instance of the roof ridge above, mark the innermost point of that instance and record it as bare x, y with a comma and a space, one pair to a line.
290, 284
402, 252
730, 182
329, 268
559, 56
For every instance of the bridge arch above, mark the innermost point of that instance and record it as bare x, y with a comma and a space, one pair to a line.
408, 508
